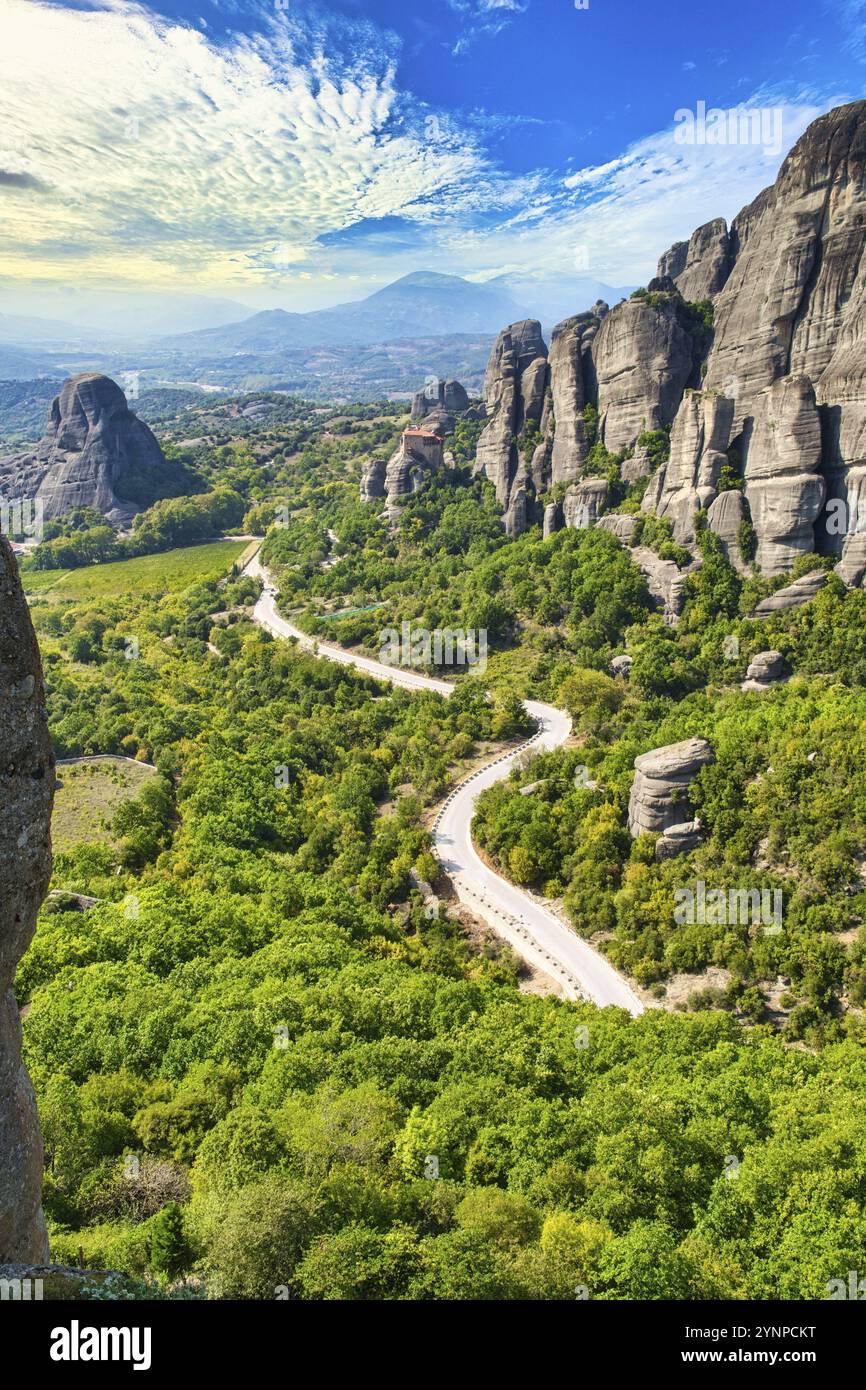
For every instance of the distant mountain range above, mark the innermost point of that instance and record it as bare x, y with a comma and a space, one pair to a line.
423, 304
382, 345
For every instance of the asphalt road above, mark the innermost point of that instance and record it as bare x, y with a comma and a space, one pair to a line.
536, 933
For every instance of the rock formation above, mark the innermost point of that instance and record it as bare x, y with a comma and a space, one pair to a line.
584, 502
447, 396
620, 525
569, 396
372, 479
644, 357
419, 454
794, 292
95, 453
782, 398
789, 283
552, 519
659, 798
27, 778
725, 517
700, 266
792, 595
536, 434
514, 394
785, 489
686, 484
665, 581
764, 669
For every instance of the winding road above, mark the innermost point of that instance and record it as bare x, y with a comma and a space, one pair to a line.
522, 919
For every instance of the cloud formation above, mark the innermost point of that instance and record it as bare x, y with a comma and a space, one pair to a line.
214, 163
139, 152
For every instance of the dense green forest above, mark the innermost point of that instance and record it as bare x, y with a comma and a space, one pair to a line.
265, 1071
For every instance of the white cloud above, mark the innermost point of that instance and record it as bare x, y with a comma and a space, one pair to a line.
140, 153
163, 157
623, 214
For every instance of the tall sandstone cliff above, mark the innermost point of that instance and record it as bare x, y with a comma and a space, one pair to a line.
26, 796
789, 351
780, 397
94, 453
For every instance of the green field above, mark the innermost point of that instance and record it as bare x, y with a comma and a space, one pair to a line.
88, 795
158, 574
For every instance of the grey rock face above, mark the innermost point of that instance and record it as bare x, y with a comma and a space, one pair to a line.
660, 790
792, 595
552, 519
516, 346
687, 482
665, 581
372, 479
851, 569
763, 670
673, 261
678, 839
622, 526
94, 453
514, 394
449, 397
621, 666
26, 796
583, 502
643, 358
785, 489
570, 444
724, 518
639, 465
515, 518
699, 267
796, 289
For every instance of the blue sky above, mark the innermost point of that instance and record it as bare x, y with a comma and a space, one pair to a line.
307, 154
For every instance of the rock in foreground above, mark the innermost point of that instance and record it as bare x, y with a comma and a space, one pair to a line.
659, 796
26, 796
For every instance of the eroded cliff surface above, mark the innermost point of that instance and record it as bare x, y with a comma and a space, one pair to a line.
26, 797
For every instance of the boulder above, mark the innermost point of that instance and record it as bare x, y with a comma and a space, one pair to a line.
665, 581
763, 670
622, 526
639, 465
27, 786
621, 666
659, 796
678, 839
792, 595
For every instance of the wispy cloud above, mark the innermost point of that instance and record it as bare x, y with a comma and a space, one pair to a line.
219, 163
250, 164
614, 220
484, 17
